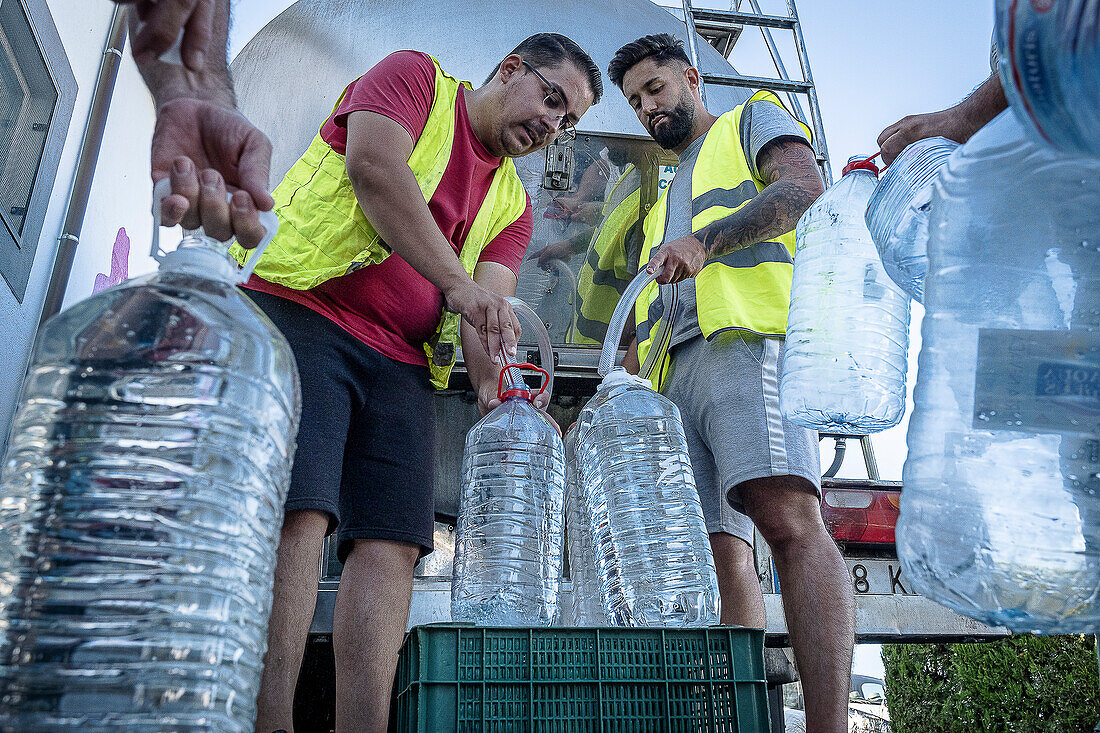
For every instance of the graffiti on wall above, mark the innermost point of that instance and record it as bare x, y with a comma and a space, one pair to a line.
120, 264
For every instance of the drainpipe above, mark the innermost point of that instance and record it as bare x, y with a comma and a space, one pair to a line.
77, 205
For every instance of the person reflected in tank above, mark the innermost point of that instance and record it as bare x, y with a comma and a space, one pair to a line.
577, 212
401, 230
611, 246
583, 205
723, 230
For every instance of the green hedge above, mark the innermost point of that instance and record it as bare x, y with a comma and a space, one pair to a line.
1021, 684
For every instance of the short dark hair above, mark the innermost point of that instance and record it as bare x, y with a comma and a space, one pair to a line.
661, 47
549, 50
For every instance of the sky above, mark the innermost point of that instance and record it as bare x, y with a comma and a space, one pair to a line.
873, 62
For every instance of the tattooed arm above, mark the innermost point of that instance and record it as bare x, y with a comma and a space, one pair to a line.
790, 168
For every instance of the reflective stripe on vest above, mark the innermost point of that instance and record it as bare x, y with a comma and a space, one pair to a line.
748, 289
323, 232
610, 263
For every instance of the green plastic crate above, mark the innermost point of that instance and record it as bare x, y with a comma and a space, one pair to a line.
455, 678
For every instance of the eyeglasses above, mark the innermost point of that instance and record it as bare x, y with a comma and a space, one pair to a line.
555, 101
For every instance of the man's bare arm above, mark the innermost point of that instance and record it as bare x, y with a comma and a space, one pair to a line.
200, 142
378, 151
794, 183
485, 372
165, 22
168, 81
956, 123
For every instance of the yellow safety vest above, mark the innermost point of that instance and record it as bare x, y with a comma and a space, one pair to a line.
609, 265
323, 232
748, 289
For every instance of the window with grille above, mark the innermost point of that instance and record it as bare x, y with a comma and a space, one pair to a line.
36, 99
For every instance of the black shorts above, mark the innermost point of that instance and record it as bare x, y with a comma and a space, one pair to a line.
366, 444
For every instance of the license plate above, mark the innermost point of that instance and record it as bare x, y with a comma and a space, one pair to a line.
874, 577
869, 576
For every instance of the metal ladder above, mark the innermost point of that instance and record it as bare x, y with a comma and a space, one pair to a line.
722, 28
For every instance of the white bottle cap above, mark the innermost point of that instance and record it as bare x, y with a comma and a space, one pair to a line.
618, 376
199, 255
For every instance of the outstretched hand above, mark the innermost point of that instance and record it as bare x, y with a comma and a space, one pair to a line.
956, 123
207, 150
908, 130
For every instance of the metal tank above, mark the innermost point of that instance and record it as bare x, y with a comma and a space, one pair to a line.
291, 73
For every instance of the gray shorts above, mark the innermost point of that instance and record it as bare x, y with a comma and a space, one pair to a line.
727, 390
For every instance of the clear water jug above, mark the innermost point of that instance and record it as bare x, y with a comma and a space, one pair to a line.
585, 602
652, 551
848, 325
1000, 517
141, 503
897, 213
1049, 64
508, 548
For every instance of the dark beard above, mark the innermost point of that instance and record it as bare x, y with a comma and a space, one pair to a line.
680, 120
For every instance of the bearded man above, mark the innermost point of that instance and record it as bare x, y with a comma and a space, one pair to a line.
723, 231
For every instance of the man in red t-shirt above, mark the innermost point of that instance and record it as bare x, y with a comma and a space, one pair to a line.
365, 452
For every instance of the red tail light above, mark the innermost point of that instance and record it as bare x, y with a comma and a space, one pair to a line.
860, 515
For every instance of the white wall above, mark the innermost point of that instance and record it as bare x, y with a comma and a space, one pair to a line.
120, 193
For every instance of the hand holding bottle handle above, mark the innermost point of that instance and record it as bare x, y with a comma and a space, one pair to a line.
502, 393
268, 219
528, 318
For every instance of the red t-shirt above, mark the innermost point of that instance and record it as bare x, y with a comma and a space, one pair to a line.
390, 306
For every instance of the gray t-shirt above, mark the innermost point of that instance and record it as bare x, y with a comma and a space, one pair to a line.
761, 123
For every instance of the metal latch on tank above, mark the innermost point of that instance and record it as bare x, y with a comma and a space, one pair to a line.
534, 357
559, 167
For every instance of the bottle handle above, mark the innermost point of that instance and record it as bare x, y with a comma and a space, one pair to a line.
528, 317
504, 393
268, 219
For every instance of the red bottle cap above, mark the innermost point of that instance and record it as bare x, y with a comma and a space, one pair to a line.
863, 164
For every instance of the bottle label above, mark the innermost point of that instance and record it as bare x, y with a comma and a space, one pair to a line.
1029, 38
1037, 381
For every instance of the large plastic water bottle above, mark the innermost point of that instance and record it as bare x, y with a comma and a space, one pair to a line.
1000, 517
652, 551
586, 605
1049, 64
848, 326
141, 503
897, 213
508, 549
